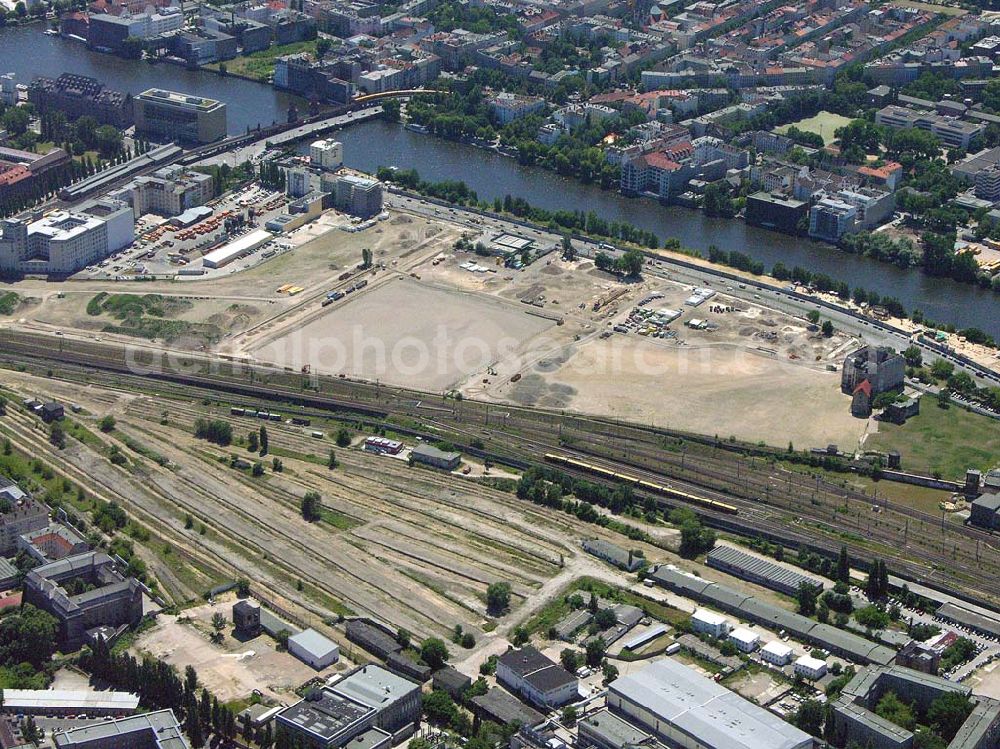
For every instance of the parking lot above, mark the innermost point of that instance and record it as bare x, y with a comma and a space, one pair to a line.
164, 249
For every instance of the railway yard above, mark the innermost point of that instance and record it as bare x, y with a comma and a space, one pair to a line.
771, 495
685, 395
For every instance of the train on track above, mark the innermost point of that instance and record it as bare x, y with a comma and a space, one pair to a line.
649, 486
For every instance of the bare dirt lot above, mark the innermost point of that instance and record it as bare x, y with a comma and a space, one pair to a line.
712, 390
407, 333
231, 669
436, 318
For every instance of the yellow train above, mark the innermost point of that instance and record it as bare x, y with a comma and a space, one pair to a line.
649, 486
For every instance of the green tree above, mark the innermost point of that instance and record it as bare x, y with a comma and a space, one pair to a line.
28, 636
810, 716
390, 110
57, 436
434, 652
440, 708
498, 598
366, 257
570, 659
913, 356
844, 566
806, 597
331, 461
895, 711
107, 424
569, 716
630, 264
343, 437
311, 506
948, 712
108, 140
263, 441
568, 250
595, 650
872, 617
253, 444
132, 48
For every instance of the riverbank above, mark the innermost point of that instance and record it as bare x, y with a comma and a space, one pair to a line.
28, 53
894, 331
369, 146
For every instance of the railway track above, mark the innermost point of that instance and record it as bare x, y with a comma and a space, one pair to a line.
764, 503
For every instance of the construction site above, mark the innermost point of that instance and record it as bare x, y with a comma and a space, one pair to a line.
518, 325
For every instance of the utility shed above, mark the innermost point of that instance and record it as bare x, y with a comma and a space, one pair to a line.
452, 681
432, 456
309, 646
503, 708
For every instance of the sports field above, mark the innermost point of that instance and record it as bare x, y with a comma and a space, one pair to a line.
823, 124
942, 440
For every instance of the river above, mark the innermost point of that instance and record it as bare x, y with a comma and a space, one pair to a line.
27, 52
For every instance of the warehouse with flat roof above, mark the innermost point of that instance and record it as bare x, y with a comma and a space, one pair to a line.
683, 708
309, 646
753, 569
155, 730
69, 702
226, 254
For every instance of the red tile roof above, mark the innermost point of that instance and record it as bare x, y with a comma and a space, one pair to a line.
662, 161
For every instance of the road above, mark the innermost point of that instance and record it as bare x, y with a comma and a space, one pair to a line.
253, 151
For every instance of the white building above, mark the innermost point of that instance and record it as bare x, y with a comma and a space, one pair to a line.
810, 668
8, 89
830, 219
326, 154
507, 107
314, 649
682, 708
709, 622
575, 116
776, 653
536, 678
744, 639
64, 242
246, 244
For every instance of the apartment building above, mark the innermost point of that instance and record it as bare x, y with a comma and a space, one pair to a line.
167, 192
952, 132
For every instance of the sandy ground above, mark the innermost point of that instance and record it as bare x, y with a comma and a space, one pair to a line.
407, 333
233, 668
712, 390
988, 684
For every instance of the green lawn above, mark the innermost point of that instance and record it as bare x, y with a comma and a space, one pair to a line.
557, 608
823, 124
260, 65
947, 441
948, 10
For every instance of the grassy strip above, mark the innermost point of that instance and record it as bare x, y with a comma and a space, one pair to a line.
8, 302
559, 607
